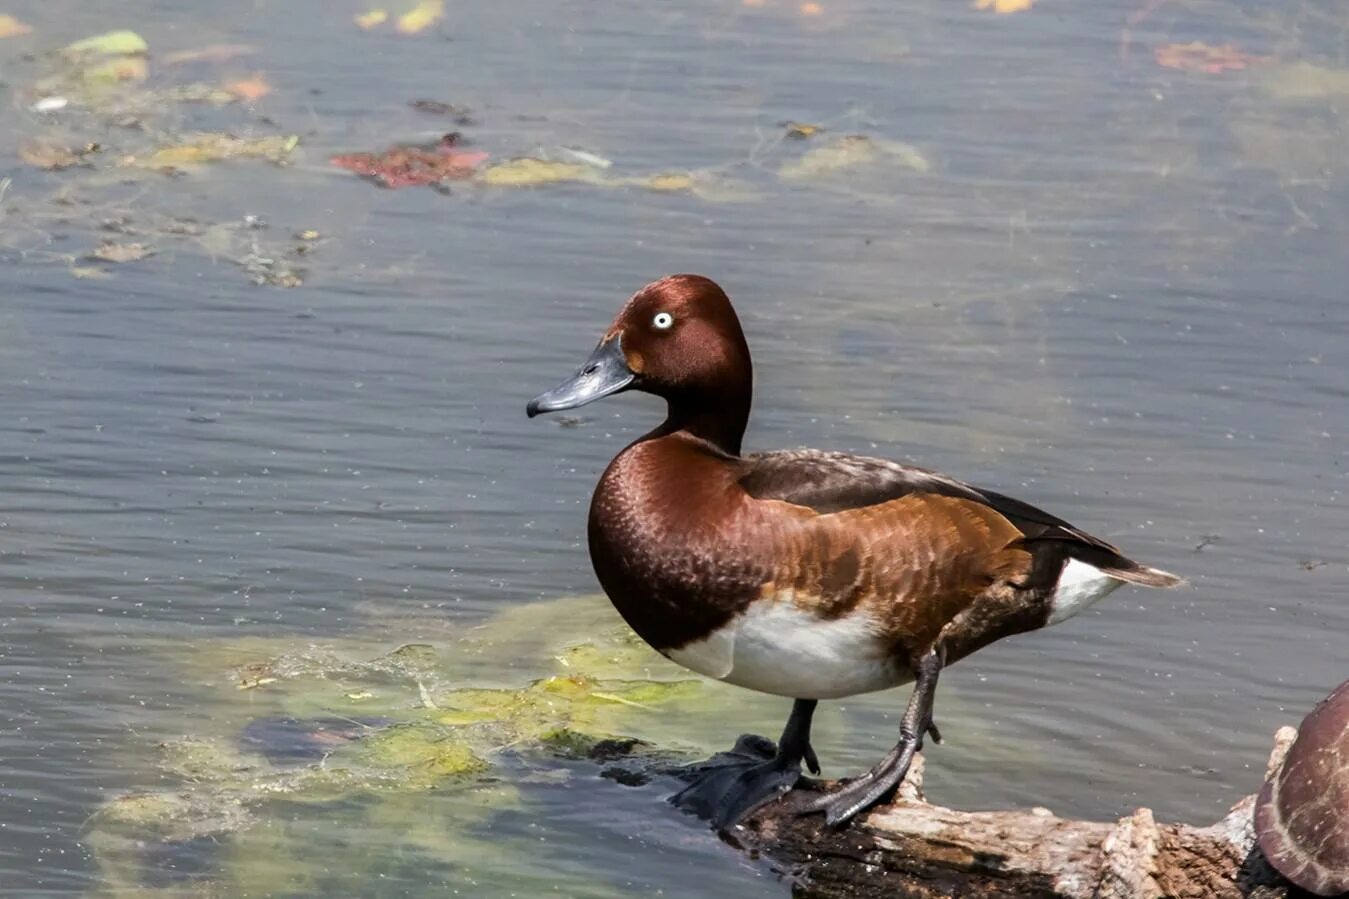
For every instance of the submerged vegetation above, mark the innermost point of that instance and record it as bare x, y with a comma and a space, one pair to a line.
327, 726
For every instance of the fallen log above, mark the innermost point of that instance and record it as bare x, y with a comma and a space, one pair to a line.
913, 848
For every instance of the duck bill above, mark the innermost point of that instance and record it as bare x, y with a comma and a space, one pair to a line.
605, 373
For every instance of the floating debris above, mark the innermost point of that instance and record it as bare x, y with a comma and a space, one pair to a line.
111, 251
255, 87
53, 156
585, 157
405, 165
372, 19
12, 27
801, 130
667, 182
200, 149
1197, 56
1004, 7
851, 152
422, 16
462, 115
271, 271
50, 104
112, 43
529, 171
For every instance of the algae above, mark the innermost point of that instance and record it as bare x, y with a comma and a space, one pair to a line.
424, 755
530, 172
278, 737
852, 152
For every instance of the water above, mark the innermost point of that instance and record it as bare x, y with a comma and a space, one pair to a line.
1117, 292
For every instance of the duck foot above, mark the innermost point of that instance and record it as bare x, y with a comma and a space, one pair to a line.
843, 804
730, 785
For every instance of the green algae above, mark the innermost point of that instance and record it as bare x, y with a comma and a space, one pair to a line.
205, 760
277, 736
424, 755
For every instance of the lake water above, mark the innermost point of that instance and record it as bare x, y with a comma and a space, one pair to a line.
1112, 287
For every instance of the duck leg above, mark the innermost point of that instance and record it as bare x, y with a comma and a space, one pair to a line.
730, 785
841, 805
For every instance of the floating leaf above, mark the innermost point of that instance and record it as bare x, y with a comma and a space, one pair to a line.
667, 181
206, 148
89, 273
249, 89
12, 27
109, 251
112, 43
1004, 7
800, 130
372, 18
420, 17
530, 172
1197, 56
409, 165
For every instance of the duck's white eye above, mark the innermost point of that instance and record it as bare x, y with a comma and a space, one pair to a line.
663, 320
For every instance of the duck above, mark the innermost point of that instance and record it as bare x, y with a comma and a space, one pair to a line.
807, 574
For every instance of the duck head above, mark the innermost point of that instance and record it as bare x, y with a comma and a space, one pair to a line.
677, 338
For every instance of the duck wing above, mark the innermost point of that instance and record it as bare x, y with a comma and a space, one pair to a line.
829, 482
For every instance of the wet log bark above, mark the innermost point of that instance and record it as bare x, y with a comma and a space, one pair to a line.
913, 848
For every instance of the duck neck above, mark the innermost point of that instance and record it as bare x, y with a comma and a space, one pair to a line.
720, 420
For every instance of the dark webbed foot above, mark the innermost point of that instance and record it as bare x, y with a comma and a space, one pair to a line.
846, 802
731, 785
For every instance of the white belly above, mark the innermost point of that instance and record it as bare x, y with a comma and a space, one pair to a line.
777, 648
1080, 586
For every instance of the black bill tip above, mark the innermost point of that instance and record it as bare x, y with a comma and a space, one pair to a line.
603, 374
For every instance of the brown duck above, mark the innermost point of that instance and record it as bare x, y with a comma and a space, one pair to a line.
807, 574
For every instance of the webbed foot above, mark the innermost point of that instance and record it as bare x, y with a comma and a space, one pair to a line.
731, 785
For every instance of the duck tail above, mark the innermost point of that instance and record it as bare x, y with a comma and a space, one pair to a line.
1131, 572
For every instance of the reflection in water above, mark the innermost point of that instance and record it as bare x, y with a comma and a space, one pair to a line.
1111, 287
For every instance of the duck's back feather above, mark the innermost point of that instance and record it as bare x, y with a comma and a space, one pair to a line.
830, 482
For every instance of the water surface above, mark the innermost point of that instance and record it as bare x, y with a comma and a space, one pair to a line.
1116, 291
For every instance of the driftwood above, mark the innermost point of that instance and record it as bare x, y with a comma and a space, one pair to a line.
913, 848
